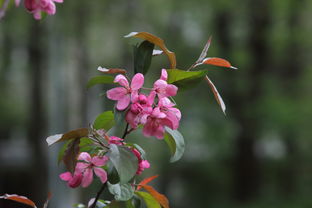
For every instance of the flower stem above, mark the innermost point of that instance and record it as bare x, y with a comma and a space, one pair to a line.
98, 195
125, 132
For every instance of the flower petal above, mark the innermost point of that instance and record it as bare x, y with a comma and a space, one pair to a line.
101, 174
87, 177
116, 93
66, 176
137, 81
123, 103
99, 161
81, 166
164, 75
75, 181
160, 84
171, 90
84, 156
122, 80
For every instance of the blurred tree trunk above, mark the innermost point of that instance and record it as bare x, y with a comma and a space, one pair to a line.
246, 164
37, 120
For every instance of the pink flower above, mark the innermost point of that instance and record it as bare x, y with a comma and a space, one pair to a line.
37, 6
115, 140
89, 165
140, 109
123, 94
142, 164
17, 2
162, 88
163, 115
73, 180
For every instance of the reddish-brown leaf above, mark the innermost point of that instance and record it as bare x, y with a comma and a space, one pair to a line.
216, 94
218, 62
111, 71
146, 181
74, 134
17, 198
157, 41
162, 199
71, 154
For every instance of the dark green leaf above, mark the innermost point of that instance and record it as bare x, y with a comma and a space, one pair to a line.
149, 200
71, 154
104, 121
175, 141
143, 57
62, 151
185, 79
121, 192
100, 80
125, 162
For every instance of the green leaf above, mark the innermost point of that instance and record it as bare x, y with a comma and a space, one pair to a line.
143, 57
149, 200
61, 152
125, 162
104, 121
100, 80
71, 154
121, 192
185, 79
158, 42
175, 142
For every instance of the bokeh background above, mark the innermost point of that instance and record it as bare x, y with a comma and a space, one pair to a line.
259, 155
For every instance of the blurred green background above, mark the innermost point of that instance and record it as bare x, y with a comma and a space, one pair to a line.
259, 155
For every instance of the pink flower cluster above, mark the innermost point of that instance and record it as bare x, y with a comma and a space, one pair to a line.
154, 111
37, 6
83, 174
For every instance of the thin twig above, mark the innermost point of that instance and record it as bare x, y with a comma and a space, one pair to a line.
98, 195
125, 132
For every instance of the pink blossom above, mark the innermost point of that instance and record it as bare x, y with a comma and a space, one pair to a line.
17, 2
37, 6
73, 180
123, 94
163, 115
162, 88
115, 140
84, 171
142, 164
140, 109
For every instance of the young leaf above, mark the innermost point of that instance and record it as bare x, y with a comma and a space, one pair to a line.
149, 200
104, 121
185, 79
100, 80
125, 162
157, 41
162, 199
111, 71
20, 199
143, 57
77, 133
121, 192
61, 152
175, 141
71, 154
146, 181
217, 62
204, 52
216, 94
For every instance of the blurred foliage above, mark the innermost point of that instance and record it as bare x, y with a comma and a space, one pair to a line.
257, 156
